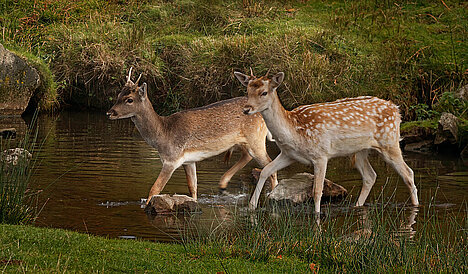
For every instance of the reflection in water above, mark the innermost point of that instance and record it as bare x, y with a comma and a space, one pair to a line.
407, 217
94, 174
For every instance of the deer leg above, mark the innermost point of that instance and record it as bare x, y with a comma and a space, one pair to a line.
245, 158
260, 155
280, 162
320, 168
368, 175
163, 177
191, 175
392, 155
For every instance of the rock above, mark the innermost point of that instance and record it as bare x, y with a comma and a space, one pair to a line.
462, 93
447, 130
298, 189
18, 81
8, 133
424, 146
16, 122
166, 204
13, 156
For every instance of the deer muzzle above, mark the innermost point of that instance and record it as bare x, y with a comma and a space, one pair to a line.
111, 114
247, 109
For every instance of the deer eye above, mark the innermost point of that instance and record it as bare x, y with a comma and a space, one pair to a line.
264, 93
129, 100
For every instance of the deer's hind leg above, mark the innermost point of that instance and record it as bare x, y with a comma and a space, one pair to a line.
368, 175
245, 158
393, 156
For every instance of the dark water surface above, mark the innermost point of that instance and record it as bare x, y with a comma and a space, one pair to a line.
94, 173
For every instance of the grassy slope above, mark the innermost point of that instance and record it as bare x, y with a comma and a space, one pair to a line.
47, 250
410, 52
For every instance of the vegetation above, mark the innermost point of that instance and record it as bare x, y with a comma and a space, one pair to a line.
16, 199
379, 239
31, 249
409, 51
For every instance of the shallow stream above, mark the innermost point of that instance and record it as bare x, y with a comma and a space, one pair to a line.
94, 173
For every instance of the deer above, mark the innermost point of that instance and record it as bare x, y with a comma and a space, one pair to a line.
313, 134
190, 136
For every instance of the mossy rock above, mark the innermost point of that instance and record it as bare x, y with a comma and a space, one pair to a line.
18, 81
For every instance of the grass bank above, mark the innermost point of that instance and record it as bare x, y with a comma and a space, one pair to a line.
409, 51
31, 249
375, 240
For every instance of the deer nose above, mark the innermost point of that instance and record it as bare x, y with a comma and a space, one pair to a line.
247, 109
111, 113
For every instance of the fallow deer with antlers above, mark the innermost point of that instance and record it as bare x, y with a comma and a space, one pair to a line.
313, 134
189, 136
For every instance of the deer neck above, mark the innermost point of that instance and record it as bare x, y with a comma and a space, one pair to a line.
277, 120
150, 125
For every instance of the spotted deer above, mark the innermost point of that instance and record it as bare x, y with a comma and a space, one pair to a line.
313, 134
189, 136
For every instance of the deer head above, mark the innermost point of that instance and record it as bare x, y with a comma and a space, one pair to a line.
130, 101
261, 91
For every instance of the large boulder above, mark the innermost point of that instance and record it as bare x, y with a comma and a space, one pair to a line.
447, 131
167, 204
298, 189
18, 81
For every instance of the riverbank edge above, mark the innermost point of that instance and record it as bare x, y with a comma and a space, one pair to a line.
32, 249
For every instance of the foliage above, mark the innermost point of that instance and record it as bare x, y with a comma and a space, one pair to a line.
377, 239
423, 112
16, 199
448, 102
411, 52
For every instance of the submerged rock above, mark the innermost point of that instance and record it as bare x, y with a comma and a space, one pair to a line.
298, 189
18, 82
166, 204
14, 156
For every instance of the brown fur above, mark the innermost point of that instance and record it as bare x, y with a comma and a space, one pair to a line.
192, 135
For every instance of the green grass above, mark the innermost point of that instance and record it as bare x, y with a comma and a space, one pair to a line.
385, 246
411, 52
35, 250
282, 239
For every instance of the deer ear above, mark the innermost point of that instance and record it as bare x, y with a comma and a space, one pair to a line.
277, 79
244, 79
142, 90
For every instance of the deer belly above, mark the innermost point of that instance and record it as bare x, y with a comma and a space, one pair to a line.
203, 152
350, 145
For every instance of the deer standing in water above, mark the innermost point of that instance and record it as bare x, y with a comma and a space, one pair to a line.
313, 134
186, 137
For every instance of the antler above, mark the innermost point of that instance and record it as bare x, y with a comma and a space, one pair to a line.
136, 83
266, 75
251, 72
129, 75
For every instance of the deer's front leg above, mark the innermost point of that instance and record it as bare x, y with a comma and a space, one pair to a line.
278, 163
191, 174
163, 177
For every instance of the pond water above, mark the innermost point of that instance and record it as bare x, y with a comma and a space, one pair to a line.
94, 173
